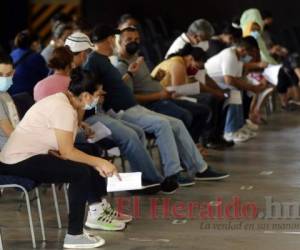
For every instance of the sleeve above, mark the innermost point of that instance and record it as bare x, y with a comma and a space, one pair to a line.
3, 114
230, 65
63, 119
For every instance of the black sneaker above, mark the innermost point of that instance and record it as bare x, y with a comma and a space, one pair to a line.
169, 185
226, 144
184, 180
148, 188
210, 175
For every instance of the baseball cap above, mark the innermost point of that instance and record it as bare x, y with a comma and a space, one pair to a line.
103, 31
78, 42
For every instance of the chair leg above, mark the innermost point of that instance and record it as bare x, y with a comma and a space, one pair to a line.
65, 187
38, 201
1, 244
30, 218
56, 206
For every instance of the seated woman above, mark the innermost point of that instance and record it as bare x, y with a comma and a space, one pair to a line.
41, 148
174, 71
30, 65
9, 117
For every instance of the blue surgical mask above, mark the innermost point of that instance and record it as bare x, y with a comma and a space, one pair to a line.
5, 83
246, 59
92, 105
255, 34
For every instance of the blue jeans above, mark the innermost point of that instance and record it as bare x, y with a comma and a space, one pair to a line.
131, 142
172, 139
234, 118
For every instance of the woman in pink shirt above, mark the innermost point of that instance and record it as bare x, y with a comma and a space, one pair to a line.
61, 63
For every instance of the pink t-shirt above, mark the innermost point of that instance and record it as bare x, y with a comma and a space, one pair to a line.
51, 85
35, 133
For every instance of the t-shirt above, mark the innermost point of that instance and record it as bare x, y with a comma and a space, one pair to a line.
165, 67
178, 44
7, 106
118, 96
47, 52
142, 82
51, 85
35, 133
222, 64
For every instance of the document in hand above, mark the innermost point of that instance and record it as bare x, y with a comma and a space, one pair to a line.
271, 74
101, 131
186, 89
201, 76
129, 181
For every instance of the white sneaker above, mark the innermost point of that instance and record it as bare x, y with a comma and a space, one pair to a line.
245, 130
98, 218
116, 215
251, 125
83, 241
236, 137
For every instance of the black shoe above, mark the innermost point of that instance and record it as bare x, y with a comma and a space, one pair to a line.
169, 185
219, 144
210, 175
148, 188
226, 144
184, 180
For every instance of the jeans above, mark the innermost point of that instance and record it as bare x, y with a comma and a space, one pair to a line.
172, 138
131, 142
234, 118
84, 181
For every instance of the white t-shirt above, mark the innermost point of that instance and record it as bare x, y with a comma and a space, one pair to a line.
178, 44
226, 63
35, 133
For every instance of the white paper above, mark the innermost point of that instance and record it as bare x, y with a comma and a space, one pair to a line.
271, 74
101, 131
129, 181
203, 45
186, 89
235, 97
201, 76
187, 98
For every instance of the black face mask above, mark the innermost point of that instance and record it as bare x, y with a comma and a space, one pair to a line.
132, 48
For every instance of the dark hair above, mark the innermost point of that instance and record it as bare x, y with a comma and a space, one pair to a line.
129, 29
5, 59
235, 32
266, 14
125, 17
61, 58
197, 53
82, 81
25, 39
248, 43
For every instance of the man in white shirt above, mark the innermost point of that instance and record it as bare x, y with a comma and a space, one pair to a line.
198, 34
226, 68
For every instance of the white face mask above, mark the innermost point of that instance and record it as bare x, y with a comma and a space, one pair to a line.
255, 34
5, 83
92, 105
246, 59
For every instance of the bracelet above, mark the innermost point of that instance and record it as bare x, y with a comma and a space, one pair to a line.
130, 74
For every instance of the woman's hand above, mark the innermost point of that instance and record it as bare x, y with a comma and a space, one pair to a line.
106, 169
89, 133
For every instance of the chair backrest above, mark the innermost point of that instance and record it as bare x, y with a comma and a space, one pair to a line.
23, 102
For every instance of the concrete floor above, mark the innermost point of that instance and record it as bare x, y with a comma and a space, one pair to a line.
267, 166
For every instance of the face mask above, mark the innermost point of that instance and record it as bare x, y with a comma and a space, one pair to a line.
191, 71
5, 83
255, 34
92, 105
246, 59
132, 48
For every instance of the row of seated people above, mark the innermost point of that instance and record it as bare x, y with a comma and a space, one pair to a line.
102, 78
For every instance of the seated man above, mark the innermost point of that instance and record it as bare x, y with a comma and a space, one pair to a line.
9, 117
198, 34
172, 138
151, 93
226, 68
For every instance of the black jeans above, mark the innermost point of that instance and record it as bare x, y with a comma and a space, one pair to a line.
85, 183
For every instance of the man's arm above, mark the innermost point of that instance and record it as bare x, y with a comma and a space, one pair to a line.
242, 84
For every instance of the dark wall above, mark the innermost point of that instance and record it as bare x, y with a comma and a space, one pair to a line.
181, 13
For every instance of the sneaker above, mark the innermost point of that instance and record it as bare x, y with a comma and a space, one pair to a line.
184, 180
83, 241
114, 213
169, 185
148, 188
210, 175
251, 125
236, 137
245, 130
98, 218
